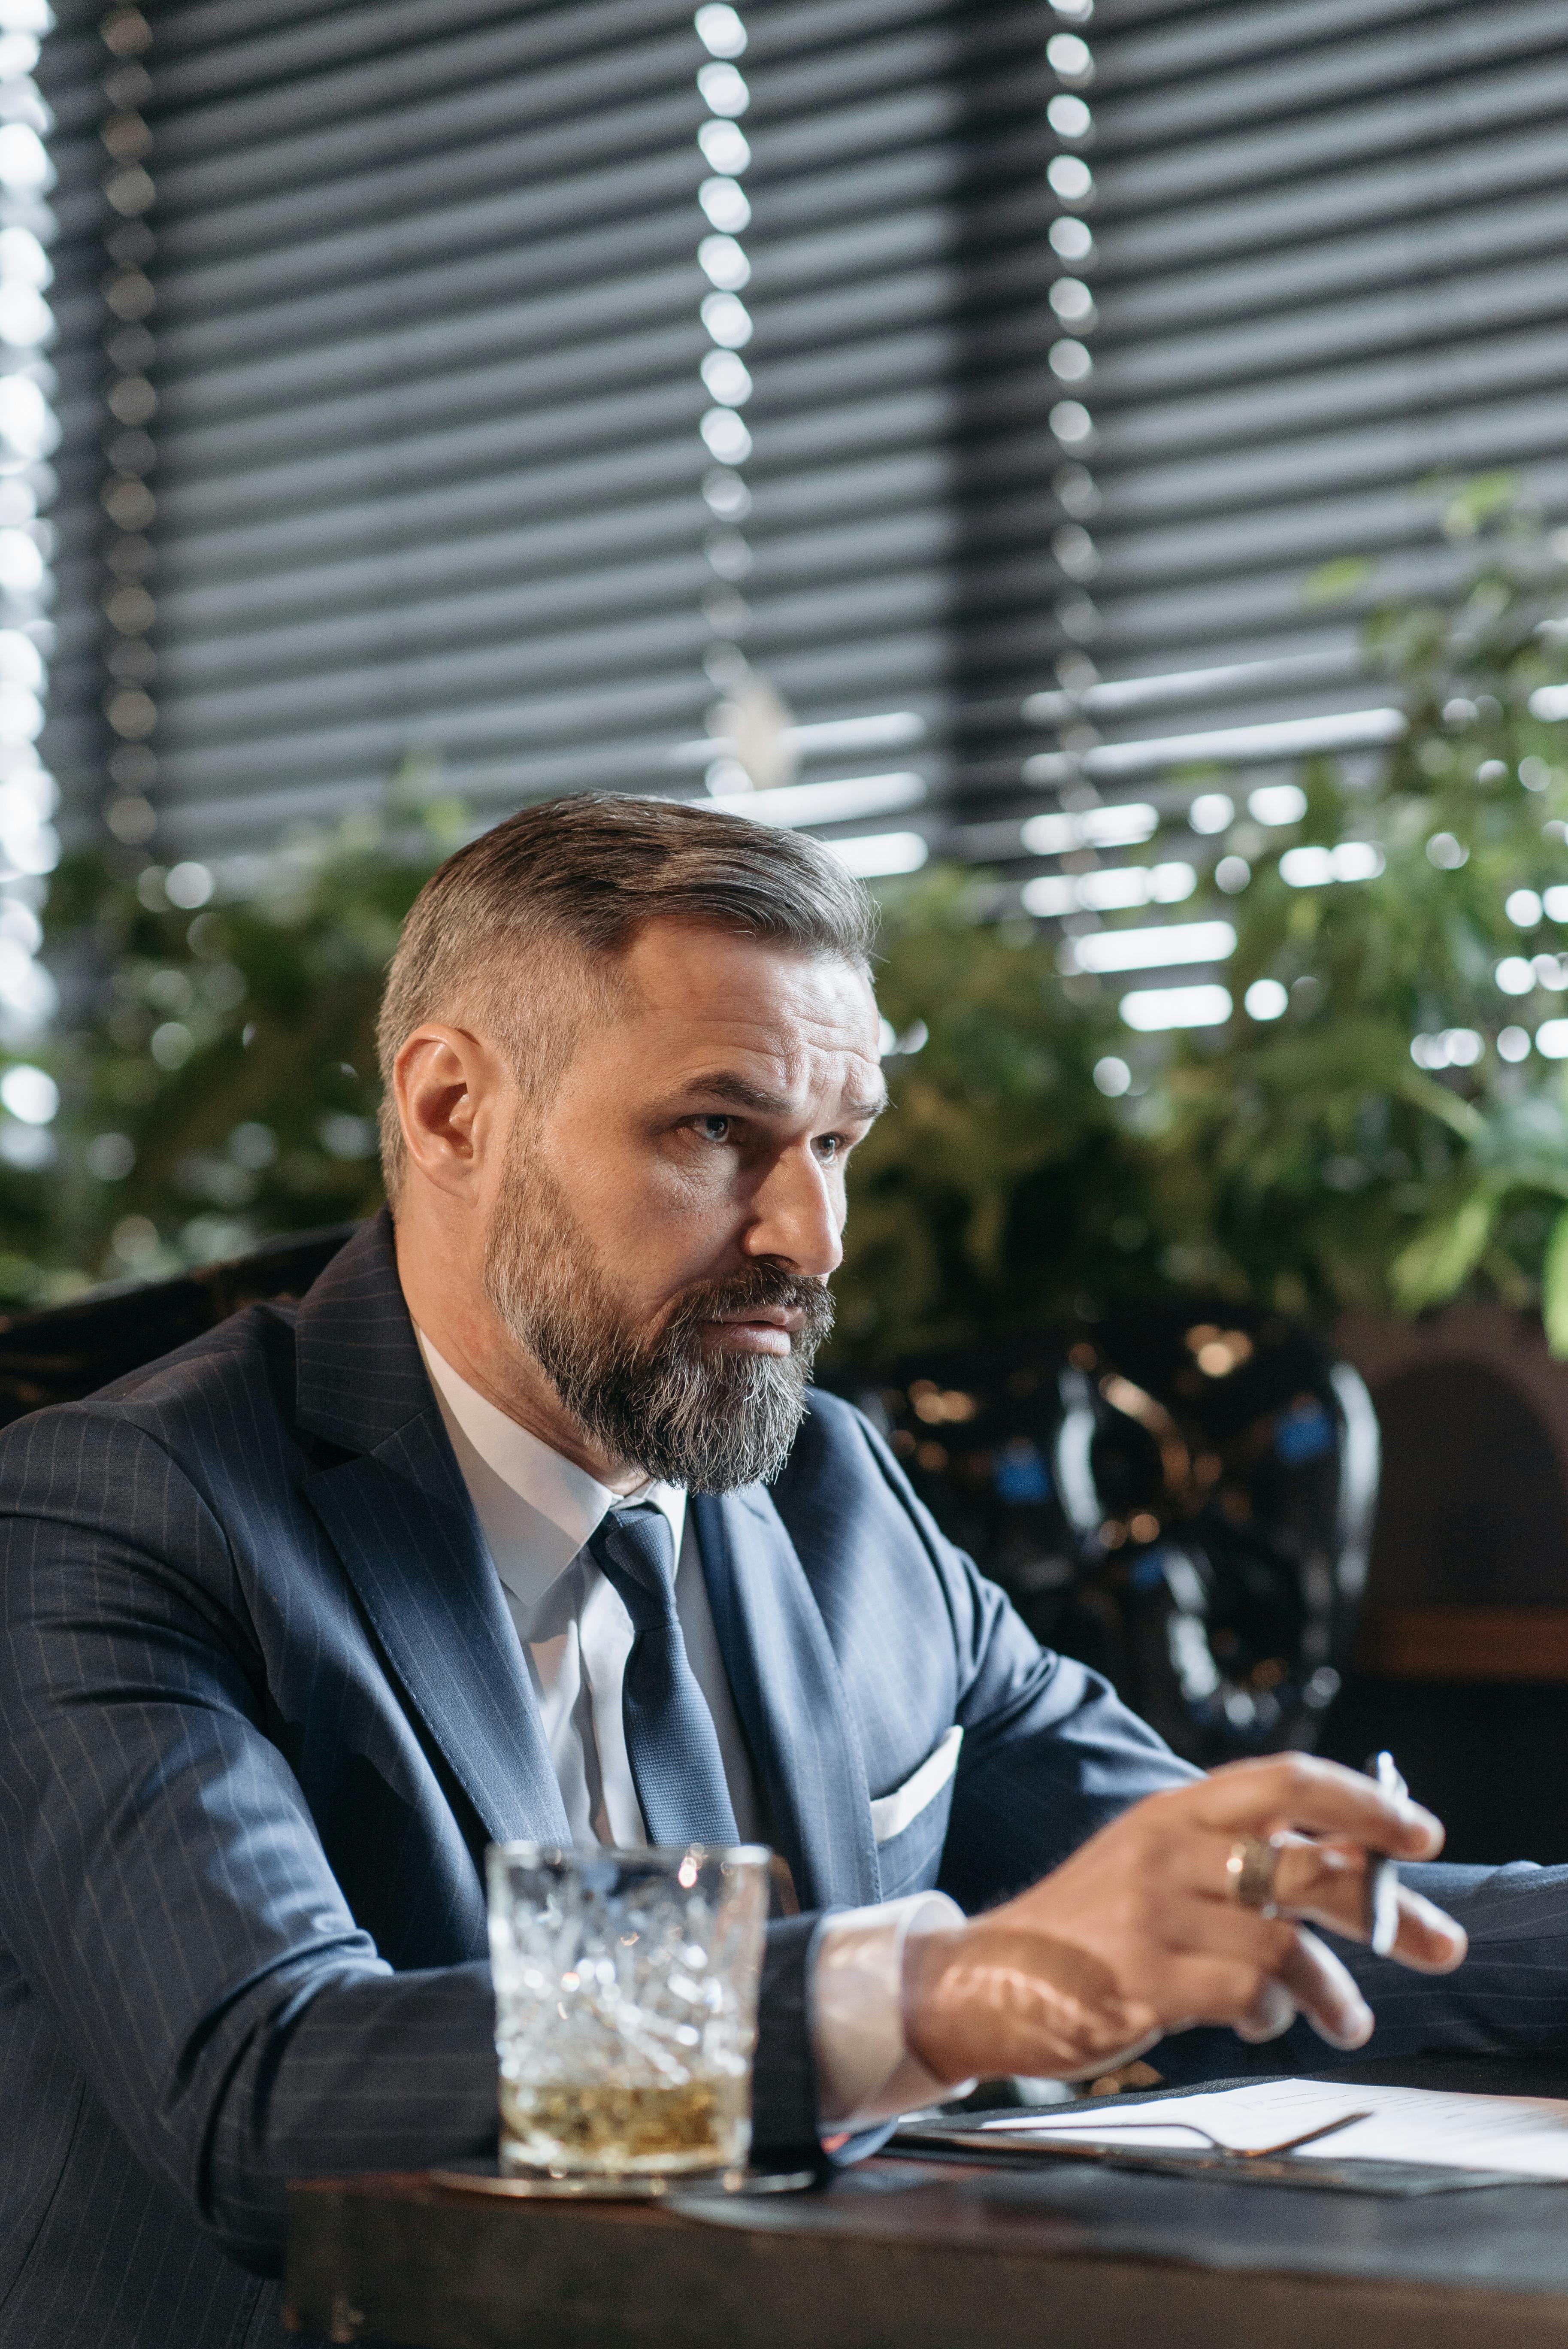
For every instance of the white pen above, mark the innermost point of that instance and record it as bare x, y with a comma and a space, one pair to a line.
1382, 1873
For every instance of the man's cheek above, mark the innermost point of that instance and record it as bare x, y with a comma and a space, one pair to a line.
700, 1194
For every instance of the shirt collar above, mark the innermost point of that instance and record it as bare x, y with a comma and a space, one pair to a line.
535, 1508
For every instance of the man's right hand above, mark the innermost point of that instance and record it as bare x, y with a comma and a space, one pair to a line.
1137, 1934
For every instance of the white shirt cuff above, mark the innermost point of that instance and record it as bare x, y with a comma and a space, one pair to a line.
865, 2071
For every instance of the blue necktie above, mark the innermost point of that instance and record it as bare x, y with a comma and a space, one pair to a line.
671, 1741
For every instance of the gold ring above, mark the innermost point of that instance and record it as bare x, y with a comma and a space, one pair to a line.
1251, 1869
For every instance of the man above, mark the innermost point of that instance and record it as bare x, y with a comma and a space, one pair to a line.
523, 1524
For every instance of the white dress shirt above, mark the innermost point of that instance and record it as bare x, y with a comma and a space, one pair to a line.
536, 1511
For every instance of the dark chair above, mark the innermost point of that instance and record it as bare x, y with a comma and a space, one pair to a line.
65, 1351
1461, 1662
1181, 1496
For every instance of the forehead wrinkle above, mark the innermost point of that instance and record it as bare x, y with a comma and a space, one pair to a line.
728, 1085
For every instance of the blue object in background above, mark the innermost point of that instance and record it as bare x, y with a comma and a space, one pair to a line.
1305, 1433
1020, 1473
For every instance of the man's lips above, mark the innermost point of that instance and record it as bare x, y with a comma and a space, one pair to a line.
758, 1329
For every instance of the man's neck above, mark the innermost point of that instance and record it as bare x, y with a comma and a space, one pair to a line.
450, 1307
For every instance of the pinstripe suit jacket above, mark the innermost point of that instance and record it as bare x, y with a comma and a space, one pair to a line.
262, 1707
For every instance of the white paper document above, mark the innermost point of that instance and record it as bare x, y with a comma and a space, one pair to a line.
1525, 2134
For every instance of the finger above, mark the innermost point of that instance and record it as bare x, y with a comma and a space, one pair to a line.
1297, 1790
1325, 1884
1236, 1944
1329, 1878
1324, 1992
1200, 1863
1328, 1886
1428, 1939
1269, 2016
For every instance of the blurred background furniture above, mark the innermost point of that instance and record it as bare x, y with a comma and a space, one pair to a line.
1183, 1497
69, 1350
1461, 1660
1190, 1500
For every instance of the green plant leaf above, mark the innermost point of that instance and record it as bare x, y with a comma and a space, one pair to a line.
1555, 1285
1461, 1116
1479, 502
1336, 582
1444, 1253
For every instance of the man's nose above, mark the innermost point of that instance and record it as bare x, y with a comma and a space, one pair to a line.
798, 1219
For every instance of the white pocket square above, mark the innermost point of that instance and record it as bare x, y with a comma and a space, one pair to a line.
890, 1814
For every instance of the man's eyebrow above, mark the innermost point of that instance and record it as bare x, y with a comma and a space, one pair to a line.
727, 1085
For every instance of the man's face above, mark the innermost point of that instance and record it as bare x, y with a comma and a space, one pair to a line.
664, 1234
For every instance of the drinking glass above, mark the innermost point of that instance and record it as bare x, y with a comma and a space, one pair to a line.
625, 1992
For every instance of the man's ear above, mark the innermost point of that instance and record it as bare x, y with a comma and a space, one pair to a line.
455, 1097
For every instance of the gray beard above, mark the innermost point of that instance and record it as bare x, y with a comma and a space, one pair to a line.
667, 1404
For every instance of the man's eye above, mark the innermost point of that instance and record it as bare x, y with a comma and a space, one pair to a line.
830, 1145
713, 1129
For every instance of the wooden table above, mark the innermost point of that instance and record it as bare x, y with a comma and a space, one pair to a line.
898, 2254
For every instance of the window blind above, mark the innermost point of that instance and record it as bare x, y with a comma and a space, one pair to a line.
1323, 290
427, 457
1073, 341
75, 743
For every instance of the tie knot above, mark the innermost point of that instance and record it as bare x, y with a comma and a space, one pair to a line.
634, 1550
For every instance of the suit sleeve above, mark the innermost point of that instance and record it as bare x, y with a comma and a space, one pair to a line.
163, 1886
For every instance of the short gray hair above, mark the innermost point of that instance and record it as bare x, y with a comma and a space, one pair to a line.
574, 881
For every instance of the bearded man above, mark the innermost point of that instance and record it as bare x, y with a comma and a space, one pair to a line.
524, 1523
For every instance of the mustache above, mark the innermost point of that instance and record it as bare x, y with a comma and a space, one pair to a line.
758, 1286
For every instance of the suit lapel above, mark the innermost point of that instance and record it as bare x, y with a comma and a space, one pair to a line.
790, 1698
400, 1518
